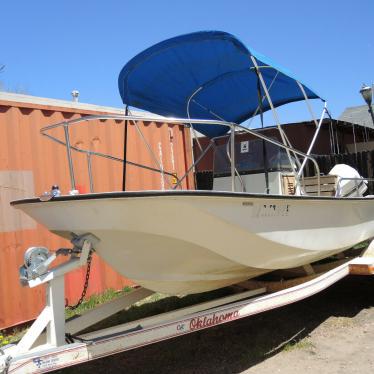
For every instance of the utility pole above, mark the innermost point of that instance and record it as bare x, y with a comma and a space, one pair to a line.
367, 94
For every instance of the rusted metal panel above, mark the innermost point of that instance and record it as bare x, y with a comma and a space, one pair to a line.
30, 164
14, 184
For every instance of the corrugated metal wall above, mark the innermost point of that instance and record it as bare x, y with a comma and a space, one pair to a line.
30, 164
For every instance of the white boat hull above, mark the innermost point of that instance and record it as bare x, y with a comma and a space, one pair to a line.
185, 242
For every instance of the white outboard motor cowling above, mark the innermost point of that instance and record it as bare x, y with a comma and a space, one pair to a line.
353, 186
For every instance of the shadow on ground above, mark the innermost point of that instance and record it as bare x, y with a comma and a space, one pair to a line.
238, 345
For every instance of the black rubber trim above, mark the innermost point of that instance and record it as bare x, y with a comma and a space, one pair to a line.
128, 194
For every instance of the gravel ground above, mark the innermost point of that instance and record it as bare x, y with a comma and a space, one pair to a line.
332, 332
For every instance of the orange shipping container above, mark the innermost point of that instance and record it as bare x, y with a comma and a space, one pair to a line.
31, 163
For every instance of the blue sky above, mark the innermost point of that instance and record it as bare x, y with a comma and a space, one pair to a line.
52, 47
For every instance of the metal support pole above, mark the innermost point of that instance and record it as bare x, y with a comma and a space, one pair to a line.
264, 153
188, 115
275, 115
236, 170
232, 151
56, 305
313, 141
152, 154
125, 151
70, 160
307, 103
179, 182
370, 110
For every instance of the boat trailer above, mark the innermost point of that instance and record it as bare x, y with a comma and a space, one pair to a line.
51, 343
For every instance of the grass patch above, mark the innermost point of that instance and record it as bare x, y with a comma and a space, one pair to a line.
13, 335
362, 245
95, 300
152, 305
156, 304
304, 344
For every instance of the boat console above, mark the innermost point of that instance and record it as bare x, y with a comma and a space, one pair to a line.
260, 167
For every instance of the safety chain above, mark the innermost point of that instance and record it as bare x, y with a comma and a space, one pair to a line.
84, 291
69, 338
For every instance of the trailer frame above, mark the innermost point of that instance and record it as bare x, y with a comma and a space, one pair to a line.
39, 351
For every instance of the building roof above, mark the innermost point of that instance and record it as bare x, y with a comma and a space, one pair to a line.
43, 101
359, 115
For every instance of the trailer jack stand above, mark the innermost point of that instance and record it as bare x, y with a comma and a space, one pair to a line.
34, 273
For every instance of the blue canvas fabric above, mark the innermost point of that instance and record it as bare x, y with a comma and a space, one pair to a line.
162, 78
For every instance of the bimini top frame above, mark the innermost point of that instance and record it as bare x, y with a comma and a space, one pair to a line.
213, 75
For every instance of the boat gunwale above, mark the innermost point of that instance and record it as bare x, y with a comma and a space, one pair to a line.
161, 193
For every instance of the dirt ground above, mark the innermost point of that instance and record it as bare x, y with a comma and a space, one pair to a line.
331, 332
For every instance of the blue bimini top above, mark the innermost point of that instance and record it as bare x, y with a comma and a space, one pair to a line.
206, 75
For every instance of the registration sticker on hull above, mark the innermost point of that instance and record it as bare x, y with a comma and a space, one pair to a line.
272, 210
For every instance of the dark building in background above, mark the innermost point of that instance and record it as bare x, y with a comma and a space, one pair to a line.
338, 142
